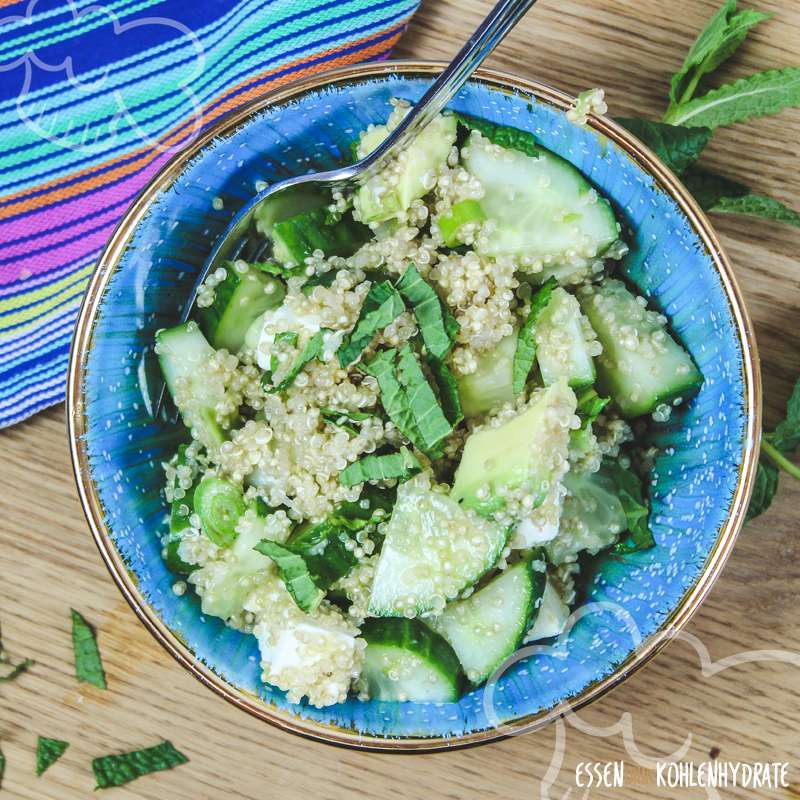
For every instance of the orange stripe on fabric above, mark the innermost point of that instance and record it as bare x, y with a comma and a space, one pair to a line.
147, 155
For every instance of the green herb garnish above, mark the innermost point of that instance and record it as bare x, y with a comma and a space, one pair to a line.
294, 572
429, 419
382, 305
312, 350
437, 325
343, 418
590, 405
402, 466
117, 770
322, 279
525, 353
48, 751
631, 495
88, 664
510, 138
447, 386
690, 117
382, 367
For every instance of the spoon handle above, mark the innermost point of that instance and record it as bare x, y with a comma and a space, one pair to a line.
503, 17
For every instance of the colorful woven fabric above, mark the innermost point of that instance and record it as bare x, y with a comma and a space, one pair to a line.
93, 100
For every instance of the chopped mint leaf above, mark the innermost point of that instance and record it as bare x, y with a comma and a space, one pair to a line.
510, 138
382, 367
117, 770
278, 270
312, 350
382, 305
88, 665
716, 43
326, 548
429, 419
436, 324
322, 279
48, 751
629, 491
289, 338
719, 194
748, 98
294, 572
525, 353
447, 385
401, 466
343, 418
677, 146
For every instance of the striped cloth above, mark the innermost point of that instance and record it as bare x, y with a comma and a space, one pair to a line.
94, 98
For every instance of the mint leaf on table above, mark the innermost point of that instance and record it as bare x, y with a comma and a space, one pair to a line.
437, 325
716, 43
754, 96
776, 447
631, 495
88, 664
294, 572
525, 354
716, 193
677, 146
2, 768
401, 465
117, 770
382, 305
48, 751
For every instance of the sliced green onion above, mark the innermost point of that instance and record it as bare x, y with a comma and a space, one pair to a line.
462, 213
219, 504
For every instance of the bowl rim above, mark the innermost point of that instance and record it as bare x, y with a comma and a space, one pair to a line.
127, 582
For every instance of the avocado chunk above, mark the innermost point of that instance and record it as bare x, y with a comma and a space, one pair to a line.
492, 383
525, 456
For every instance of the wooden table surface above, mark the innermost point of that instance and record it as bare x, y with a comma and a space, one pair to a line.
745, 713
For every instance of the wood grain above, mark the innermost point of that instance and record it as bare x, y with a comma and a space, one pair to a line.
48, 562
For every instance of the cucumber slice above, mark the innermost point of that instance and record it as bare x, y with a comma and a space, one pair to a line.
641, 365
592, 519
492, 383
433, 550
414, 169
181, 507
184, 355
238, 301
544, 209
489, 625
552, 615
561, 346
406, 662
527, 454
295, 239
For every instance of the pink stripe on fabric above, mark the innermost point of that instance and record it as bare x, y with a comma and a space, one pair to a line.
94, 202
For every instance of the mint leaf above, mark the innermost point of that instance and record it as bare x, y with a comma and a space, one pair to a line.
400, 465
787, 434
715, 193
48, 751
447, 386
764, 489
677, 146
117, 770
510, 138
755, 96
525, 353
436, 324
88, 665
629, 491
429, 419
381, 306
327, 547
382, 367
322, 279
590, 405
343, 418
716, 43
294, 572
312, 350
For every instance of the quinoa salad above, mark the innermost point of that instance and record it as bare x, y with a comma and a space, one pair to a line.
410, 426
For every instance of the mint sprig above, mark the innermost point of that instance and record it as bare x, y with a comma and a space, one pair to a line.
689, 121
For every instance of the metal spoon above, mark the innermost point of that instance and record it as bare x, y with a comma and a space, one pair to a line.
239, 238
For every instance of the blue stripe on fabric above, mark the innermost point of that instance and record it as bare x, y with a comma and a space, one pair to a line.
206, 88
33, 367
16, 326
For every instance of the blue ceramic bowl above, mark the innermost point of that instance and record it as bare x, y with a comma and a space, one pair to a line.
702, 478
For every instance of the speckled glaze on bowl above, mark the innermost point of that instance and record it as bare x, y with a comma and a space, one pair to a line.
701, 481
